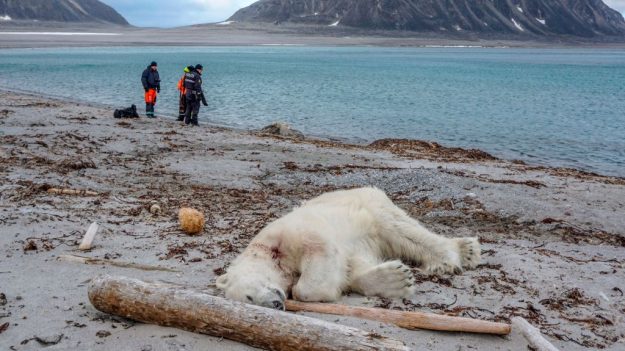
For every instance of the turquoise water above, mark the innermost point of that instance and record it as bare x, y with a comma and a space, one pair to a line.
556, 107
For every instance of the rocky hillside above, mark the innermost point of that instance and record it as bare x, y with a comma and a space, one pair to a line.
60, 11
585, 18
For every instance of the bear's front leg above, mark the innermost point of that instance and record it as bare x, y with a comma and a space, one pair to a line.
452, 256
391, 279
323, 277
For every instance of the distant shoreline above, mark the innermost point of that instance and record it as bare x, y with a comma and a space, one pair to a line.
266, 34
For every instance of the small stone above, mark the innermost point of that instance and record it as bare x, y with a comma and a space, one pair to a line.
282, 129
155, 209
3, 299
103, 333
49, 340
30, 246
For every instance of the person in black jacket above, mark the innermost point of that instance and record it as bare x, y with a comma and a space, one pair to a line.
194, 95
152, 85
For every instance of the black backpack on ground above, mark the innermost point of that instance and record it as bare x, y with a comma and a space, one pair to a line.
130, 112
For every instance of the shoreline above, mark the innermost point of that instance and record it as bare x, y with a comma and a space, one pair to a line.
362, 143
552, 242
265, 34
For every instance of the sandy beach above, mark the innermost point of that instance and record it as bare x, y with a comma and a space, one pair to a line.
553, 239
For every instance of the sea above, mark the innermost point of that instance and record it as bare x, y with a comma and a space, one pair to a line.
556, 107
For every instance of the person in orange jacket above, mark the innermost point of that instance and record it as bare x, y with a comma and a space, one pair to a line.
152, 85
182, 100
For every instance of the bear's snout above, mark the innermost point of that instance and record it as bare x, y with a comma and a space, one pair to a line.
270, 298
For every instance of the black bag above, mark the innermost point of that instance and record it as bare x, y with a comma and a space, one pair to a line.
130, 112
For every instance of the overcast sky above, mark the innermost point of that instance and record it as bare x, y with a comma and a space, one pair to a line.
172, 13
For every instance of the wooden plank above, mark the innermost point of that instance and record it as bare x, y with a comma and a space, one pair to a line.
405, 319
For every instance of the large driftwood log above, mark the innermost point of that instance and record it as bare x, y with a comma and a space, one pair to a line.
404, 319
196, 311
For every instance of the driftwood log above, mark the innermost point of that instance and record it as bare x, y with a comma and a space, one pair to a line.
72, 192
532, 335
87, 240
196, 311
404, 319
103, 261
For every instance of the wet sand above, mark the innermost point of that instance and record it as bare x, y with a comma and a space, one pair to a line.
553, 239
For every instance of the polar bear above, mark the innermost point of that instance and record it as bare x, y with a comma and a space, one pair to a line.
342, 241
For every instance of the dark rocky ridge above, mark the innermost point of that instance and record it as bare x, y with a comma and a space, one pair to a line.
61, 11
581, 18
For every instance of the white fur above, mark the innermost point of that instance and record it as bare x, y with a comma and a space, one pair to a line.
352, 240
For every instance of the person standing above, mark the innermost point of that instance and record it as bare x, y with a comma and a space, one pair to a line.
194, 95
152, 85
182, 101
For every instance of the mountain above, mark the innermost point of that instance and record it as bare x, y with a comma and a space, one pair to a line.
60, 11
583, 18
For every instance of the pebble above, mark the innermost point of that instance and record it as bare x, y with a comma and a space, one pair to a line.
49, 340
103, 333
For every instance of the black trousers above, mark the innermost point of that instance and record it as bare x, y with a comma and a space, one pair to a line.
192, 110
182, 107
149, 110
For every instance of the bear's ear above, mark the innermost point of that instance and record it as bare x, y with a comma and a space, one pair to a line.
222, 281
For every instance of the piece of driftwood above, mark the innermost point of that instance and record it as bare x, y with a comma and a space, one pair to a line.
87, 240
58, 191
405, 319
197, 311
532, 334
89, 260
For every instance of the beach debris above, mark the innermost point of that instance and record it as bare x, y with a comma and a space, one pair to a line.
282, 129
4, 327
604, 296
155, 209
191, 221
5, 112
76, 165
404, 319
31, 245
49, 340
58, 191
569, 299
430, 150
87, 240
532, 334
103, 333
197, 311
96, 261
129, 112
3, 299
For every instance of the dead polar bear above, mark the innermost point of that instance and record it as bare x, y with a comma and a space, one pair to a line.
342, 241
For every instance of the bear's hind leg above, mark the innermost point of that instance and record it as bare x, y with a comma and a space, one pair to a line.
391, 279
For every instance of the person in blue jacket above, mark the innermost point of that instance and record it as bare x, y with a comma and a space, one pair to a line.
152, 85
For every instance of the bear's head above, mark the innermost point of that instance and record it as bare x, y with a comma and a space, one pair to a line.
255, 284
